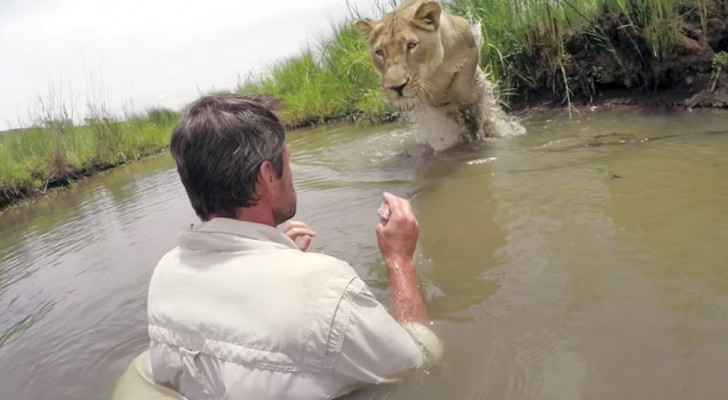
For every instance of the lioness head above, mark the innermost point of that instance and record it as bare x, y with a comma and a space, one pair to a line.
406, 48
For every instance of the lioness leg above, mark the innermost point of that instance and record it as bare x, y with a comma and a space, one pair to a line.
468, 120
463, 90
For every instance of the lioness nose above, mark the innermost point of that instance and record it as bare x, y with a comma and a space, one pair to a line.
399, 88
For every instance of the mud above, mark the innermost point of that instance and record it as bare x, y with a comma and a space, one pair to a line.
611, 62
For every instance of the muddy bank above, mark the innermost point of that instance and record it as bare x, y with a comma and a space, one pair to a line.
681, 96
15, 196
611, 62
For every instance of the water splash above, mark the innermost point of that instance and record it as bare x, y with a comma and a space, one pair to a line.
499, 123
444, 127
431, 126
440, 127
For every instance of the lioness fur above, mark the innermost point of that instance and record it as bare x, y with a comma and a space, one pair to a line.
429, 57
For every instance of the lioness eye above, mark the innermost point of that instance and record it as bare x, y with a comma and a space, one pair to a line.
379, 52
411, 45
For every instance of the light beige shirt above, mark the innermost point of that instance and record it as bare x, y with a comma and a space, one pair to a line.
237, 311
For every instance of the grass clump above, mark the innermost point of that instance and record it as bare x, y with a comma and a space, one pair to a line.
335, 79
54, 151
573, 46
720, 63
720, 60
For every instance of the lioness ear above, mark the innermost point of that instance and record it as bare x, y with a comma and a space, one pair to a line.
365, 27
427, 16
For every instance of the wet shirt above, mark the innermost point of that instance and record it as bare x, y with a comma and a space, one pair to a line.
237, 311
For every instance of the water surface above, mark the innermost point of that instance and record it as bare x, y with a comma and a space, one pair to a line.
586, 259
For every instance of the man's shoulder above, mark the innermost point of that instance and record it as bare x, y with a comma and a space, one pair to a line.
296, 263
329, 266
324, 259
169, 259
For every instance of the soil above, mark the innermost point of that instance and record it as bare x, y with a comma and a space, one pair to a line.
610, 62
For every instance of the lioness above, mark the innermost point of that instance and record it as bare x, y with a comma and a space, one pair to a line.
429, 57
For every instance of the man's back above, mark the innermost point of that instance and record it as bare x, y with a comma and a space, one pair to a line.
237, 311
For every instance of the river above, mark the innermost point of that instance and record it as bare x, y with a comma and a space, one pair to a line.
586, 259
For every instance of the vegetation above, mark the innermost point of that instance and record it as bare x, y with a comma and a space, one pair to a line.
720, 60
559, 49
720, 63
332, 81
574, 46
562, 49
55, 151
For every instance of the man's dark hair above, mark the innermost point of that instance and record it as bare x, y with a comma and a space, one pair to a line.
218, 147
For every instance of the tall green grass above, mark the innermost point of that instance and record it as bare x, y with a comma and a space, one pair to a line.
526, 41
525, 47
55, 151
334, 79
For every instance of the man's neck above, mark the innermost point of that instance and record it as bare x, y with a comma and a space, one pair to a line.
256, 214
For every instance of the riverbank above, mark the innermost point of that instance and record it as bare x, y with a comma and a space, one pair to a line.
38, 161
646, 52
55, 153
653, 53
667, 53
693, 93
583, 49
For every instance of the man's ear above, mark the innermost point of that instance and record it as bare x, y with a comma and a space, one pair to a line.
427, 16
365, 27
266, 176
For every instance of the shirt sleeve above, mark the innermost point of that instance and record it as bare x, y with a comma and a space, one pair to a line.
376, 348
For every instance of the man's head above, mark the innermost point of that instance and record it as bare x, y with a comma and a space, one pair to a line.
231, 155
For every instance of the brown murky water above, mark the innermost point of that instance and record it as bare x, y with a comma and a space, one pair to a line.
587, 259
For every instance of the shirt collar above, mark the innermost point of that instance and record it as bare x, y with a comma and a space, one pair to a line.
232, 227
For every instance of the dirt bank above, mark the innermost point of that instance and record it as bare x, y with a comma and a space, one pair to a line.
610, 62
12, 196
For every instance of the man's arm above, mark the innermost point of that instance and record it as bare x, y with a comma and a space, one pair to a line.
376, 348
379, 347
397, 239
405, 298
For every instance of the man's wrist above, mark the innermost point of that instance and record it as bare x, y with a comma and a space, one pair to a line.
396, 263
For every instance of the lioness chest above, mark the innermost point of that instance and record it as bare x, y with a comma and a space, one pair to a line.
440, 82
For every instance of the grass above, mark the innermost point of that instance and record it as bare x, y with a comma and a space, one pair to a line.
526, 49
720, 63
720, 60
531, 44
335, 79
530, 47
55, 151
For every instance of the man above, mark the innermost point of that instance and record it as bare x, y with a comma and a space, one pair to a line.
239, 310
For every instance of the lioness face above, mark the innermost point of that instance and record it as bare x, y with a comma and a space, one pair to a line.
406, 48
